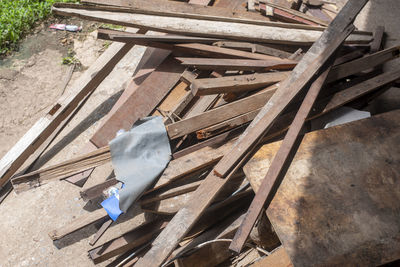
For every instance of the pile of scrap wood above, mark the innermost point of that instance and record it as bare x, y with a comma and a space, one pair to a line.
229, 85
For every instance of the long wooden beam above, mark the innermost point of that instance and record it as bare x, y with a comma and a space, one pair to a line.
45, 126
277, 168
203, 28
193, 48
237, 83
312, 61
236, 64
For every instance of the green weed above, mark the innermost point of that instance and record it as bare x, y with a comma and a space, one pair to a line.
17, 17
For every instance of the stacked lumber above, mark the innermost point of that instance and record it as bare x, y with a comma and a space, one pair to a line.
229, 84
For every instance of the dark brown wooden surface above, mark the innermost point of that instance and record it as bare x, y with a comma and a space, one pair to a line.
237, 64
339, 202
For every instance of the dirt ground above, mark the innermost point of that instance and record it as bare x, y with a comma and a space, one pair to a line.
30, 82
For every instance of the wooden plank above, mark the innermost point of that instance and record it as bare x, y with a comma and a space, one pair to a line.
237, 83
78, 224
139, 104
128, 241
236, 64
193, 48
123, 36
176, 9
100, 232
277, 169
255, 48
364, 63
62, 170
169, 238
278, 34
377, 42
45, 126
291, 15
342, 183
278, 258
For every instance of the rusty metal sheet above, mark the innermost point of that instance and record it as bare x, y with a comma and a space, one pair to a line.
339, 203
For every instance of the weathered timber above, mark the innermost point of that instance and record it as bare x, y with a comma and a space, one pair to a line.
237, 83
169, 238
237, 64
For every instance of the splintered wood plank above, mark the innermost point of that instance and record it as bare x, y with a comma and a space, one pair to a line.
278, 34
62, 170
140, 104
169, 238
277, 168
338, 204
45, 126
237, 64
237, 83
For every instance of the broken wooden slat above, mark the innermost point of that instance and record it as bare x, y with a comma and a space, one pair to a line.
237, 83
279, 34
43, 128
169, 238
62, 170
277, 168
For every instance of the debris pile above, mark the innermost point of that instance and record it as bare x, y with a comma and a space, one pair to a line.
243, 171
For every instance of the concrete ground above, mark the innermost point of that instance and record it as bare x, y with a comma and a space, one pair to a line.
29, 85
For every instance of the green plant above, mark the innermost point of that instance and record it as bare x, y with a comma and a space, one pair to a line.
17, 17
70, 60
